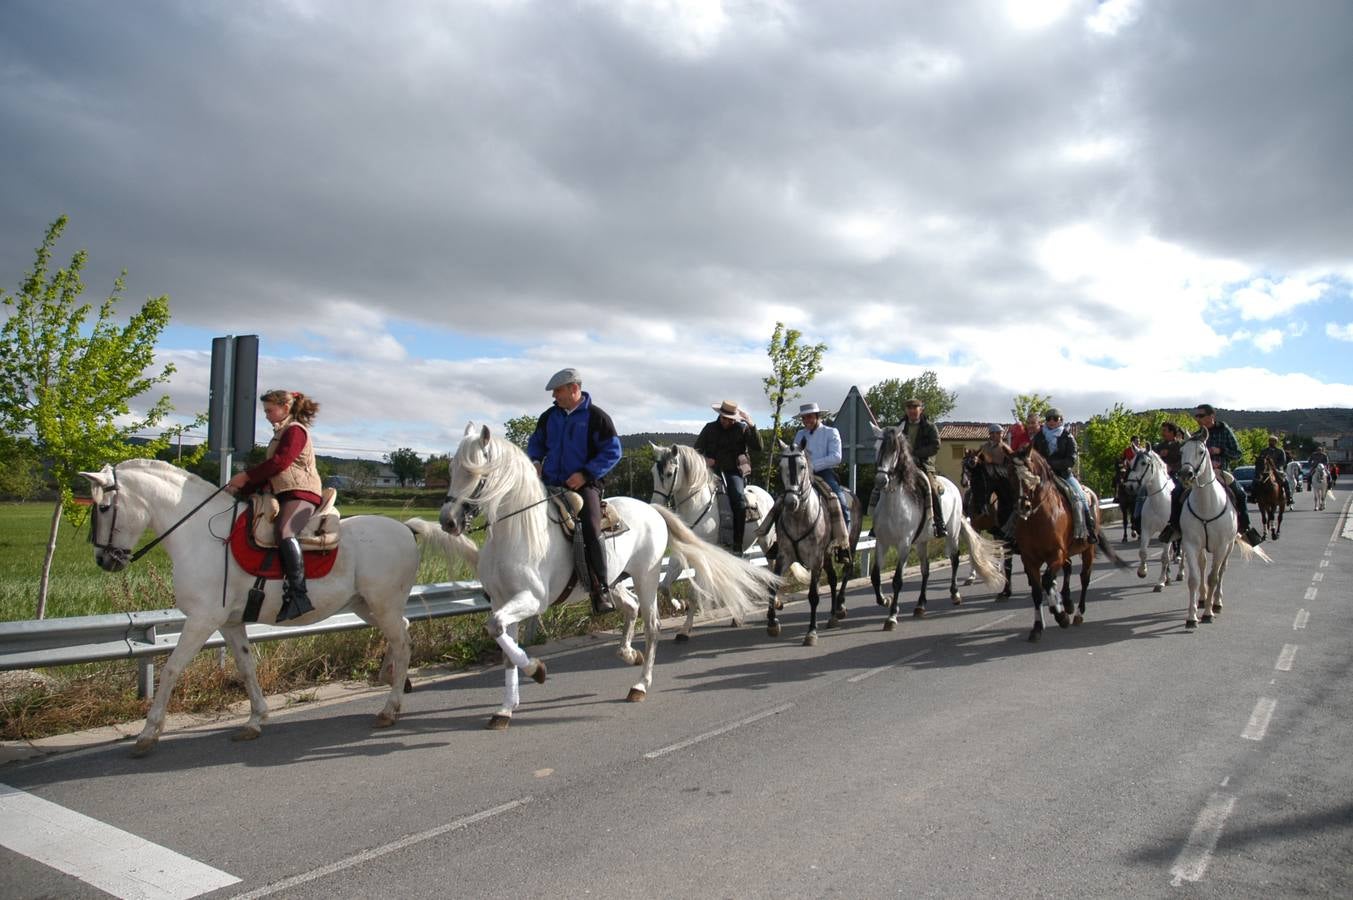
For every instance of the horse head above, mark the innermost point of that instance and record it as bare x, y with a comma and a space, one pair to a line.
796, 475
1194, 458
1143, 464
1029, 470
469, 475
117, 518
664, 473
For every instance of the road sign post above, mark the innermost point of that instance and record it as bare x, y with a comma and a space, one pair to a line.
230, 406
857, 425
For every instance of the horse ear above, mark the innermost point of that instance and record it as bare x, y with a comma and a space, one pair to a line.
97, 479
656, 449
803, 443
878, 432
469, 429
781, 445
484, 435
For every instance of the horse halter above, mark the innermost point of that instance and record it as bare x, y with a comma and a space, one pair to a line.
1188, 475
885, 476
120, 557
470, 500
797, 461
1029, 484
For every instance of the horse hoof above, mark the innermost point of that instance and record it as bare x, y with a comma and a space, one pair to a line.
889, 624
839, 614
779, 604
682, 637
636, 695
958, 601
773, 630
638, 658
1157, 589
1206, 619
384, 720
879, 601
810, 639
831, 622
1003, 596
1190, 625
1077, 619
538, 674
498, 722
918, 612
1036, 635
142, 747
408, 686
247, 733
1063, 621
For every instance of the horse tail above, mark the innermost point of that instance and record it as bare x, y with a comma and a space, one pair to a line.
1250, 552
456, 547
724, 579
985, 554
1107, 549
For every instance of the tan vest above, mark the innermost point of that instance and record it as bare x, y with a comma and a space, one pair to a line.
301, 475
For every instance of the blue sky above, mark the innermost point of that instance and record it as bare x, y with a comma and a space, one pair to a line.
427, 208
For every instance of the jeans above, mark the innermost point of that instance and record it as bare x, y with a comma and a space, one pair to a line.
735, 486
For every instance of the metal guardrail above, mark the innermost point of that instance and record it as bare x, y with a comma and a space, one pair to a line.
141, 635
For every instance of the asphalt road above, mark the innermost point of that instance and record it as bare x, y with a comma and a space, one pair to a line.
949, 758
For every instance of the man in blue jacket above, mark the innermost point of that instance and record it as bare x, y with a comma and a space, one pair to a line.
575, 446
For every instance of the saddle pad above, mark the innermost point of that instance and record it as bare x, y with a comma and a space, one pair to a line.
319, 533
570, 504
249, 555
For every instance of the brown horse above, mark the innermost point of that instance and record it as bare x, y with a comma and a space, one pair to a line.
1126, 498
1267, 491
1043, 534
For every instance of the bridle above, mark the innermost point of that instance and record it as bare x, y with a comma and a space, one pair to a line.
674, 461
122, 557
1139, 481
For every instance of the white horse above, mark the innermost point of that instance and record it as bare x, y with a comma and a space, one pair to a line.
527, 562
1320, 485
902, 519
683, 481
1208, 525
1150, 482
1293, 475
376, 567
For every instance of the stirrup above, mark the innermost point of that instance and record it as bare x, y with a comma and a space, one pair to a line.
601, 601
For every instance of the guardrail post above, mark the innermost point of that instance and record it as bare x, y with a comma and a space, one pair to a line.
145, 671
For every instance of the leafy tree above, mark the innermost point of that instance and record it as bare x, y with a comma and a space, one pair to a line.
886, 398
519, 429
1102, 442
69, 384
20, 470
793, 366
406, 463
437, 470
1023, 404
1252, 441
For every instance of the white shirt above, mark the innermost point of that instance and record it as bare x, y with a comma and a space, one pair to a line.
824, 446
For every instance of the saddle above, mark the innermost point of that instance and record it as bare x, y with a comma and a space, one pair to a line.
836, 516
569, 505
750, 513
320, 533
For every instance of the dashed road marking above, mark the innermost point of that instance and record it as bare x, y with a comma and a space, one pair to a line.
1300, 621
1318, 577
1285, 658
383, 850
1257, 727
110, 859
1196, 854
690, 742
1310, 594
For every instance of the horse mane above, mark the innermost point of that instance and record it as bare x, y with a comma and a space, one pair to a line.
692, 467
893, 438
510, 484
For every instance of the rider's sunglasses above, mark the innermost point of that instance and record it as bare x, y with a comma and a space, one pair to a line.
1201, 415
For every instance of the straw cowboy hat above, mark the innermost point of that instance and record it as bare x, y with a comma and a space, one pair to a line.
728, 409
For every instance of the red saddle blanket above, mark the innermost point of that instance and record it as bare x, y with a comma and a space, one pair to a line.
318, 563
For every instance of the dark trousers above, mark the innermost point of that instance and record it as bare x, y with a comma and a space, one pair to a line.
292, 516
736, 487
591, 525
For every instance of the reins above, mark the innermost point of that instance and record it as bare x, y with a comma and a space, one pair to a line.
112, 526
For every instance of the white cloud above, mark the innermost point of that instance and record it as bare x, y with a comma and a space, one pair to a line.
1339, 332
1263, 299
1269, 340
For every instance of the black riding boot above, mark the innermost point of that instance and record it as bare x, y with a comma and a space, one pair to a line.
739, 533
1247, 531
600, 589
939, 514
1171, 531
295, 600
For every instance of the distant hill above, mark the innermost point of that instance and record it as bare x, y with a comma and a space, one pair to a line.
1310, 422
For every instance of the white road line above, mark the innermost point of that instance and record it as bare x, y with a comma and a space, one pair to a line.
1310, 594
1196, 854
690, 742
110, 859
1285, 658
870, 673
1318, 577
1300, 621
383, 850
1324, 563
1259, 719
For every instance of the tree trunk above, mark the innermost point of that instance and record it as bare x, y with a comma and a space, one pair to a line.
47, 562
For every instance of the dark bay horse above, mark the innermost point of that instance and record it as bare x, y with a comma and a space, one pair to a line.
1267, 491
1043, 534
1125, 497
989, 502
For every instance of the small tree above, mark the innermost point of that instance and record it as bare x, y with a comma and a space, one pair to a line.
1252, 441
1102, 442
519, 429
1023, 404
71, 386
437, 470
793, 366
407, 465
20, 471
887, 398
